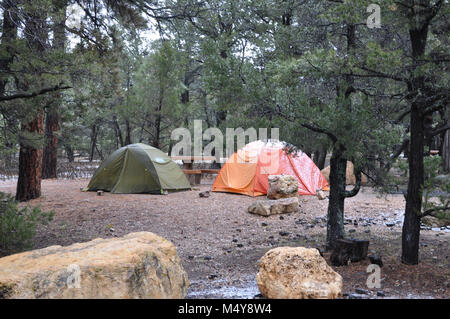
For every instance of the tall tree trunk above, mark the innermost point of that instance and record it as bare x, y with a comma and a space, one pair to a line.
69, 153
157, 135
50, 156
7, 51
127, 132
9, 35
319, 157
116, 86
446, 151
411, 224
30, 156
94, 134
322, 158
338, 163
185, 97
118, 131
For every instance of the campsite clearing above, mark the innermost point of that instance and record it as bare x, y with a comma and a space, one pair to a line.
219, 243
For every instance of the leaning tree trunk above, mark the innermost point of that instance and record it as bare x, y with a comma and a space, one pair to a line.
30, 164
335, 218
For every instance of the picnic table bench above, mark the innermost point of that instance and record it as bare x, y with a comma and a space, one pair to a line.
194, 176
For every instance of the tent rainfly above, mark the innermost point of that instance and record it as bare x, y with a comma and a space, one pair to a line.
138, 168
246, 171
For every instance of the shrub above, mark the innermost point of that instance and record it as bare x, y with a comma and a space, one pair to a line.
18, 225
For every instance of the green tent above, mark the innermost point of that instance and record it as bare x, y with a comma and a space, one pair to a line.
138, 168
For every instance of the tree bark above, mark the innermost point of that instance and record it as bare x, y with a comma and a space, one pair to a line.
185, 96
69, 153
319, 157
30, 164
94, 134
118, 131
446, 151
30, 156
50, 157
338, 163
127, 132
9, 35
335, 217
158, 117
411, 224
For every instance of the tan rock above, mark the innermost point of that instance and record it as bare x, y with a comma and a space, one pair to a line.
282, 186
297, 273
350, 176
139, 265
321, 195
273, 207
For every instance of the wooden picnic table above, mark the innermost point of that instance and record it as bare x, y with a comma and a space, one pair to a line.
194, 176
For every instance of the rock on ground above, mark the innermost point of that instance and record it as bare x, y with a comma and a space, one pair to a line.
297, 273
139, 265
282, 186
273, 207
321, 195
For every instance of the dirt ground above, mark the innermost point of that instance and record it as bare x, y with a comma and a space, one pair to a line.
220, 244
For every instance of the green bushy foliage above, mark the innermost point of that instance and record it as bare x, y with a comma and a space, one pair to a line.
18, 225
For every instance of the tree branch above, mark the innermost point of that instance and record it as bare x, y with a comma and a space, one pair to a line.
439, 130
431, 211
319, 130
33, 94
357, 187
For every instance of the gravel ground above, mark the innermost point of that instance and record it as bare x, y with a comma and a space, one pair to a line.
220, 244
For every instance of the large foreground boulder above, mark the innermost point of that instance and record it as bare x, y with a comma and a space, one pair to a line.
297, 273
282, 186
274, 207
350, 178
139, 265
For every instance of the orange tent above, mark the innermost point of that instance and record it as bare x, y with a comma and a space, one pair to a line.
247, 170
